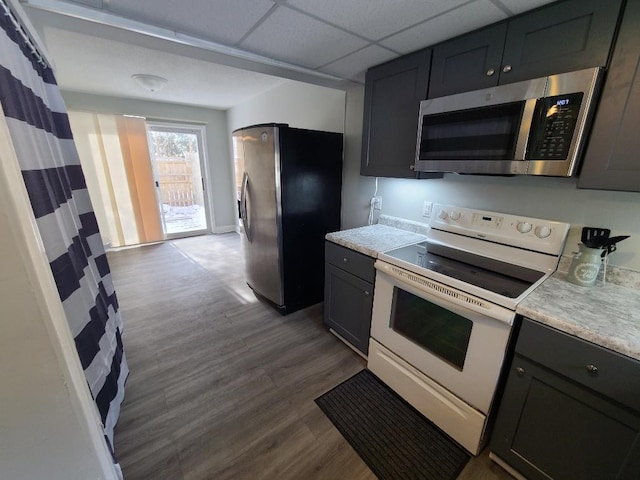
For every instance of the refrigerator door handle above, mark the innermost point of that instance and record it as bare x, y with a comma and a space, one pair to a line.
243, 206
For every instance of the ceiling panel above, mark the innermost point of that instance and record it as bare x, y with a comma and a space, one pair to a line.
353, 66
293, 37
104, 67
374, 19
224, 21
449, 25
519, 6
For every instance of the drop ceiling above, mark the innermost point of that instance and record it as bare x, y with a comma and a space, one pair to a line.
221, 53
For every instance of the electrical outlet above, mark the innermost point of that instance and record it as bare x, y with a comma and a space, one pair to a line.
426, 209
377, 203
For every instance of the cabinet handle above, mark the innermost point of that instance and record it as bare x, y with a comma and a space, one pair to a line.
506, 68
345, 259
520, 371
490, 72
366, 292
412, 167
591, 368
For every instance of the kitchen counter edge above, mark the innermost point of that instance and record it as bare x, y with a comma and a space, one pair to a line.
606, 315
374, 239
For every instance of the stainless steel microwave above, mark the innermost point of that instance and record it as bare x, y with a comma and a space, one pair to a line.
535, 127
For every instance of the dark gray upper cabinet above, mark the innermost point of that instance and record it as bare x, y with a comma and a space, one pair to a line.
560, 37
393, 92
611, 160
569, 409
469, 62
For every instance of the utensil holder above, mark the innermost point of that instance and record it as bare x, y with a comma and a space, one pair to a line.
585, 266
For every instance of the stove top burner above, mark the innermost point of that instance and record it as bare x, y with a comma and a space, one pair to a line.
499, 277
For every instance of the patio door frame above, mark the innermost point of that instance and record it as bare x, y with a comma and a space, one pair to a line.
200, 132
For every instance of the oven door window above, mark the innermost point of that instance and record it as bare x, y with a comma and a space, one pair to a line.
438, 330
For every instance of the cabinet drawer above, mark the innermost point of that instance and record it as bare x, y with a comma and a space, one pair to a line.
351, 261
597, 368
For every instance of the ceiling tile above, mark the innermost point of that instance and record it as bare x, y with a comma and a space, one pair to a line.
374, 19
519, 6
224, 21
464, 19
96, 65
355, 64
293, 37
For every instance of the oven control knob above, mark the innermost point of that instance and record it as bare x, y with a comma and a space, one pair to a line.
524, 227
455, 215
443, 215
543, 232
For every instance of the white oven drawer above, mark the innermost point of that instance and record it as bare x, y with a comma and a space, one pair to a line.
459, 420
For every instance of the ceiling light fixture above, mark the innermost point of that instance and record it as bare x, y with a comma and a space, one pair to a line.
153, 83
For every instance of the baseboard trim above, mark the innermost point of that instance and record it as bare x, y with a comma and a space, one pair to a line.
505, 466
224, 229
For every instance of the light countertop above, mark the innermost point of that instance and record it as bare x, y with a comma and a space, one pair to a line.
607, 315
374, 239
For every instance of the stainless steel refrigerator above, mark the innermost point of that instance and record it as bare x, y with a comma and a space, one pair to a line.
289, 185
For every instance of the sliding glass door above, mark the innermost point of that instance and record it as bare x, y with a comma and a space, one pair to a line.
145, 179
178, 163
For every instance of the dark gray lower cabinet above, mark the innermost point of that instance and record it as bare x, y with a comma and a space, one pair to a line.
348, 294
560, 415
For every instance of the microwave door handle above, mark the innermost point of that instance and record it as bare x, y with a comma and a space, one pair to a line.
525, 128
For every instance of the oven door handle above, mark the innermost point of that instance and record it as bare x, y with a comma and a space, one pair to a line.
446, 294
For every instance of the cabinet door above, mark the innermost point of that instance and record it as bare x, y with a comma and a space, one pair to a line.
549, 427
611, 160
347, 306
559, 38
392, 96
468, 62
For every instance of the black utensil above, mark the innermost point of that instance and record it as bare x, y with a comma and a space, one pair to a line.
609, 245
597, 241
589, 232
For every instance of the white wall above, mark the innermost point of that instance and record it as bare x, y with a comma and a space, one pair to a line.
549, 198
217, 141
300, 105
49, 426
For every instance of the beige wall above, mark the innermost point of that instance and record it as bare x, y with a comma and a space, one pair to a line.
550, 198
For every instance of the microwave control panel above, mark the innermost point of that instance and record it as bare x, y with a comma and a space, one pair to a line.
552, 127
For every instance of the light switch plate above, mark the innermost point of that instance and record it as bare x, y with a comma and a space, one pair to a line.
426, 209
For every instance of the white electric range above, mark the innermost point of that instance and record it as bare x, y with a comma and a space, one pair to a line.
444, 309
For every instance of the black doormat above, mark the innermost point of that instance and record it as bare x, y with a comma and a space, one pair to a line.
394, 440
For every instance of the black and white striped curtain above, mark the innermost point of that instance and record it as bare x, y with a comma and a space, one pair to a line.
37, 121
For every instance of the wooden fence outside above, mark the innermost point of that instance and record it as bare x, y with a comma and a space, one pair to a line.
176, 179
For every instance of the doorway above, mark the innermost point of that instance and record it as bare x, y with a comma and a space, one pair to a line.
177, 157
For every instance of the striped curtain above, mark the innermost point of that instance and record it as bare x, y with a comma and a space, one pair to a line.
41, 136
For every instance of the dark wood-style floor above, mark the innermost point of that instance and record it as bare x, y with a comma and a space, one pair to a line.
221, 385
